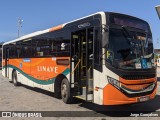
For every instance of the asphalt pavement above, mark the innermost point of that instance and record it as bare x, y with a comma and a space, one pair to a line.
24, 98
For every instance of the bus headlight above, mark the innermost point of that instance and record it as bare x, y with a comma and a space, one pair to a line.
151, 87
114, 82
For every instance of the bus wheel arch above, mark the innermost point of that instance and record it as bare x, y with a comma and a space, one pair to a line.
57, 86
14, 78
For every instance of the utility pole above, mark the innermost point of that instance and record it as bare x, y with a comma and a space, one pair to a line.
19, 26
158, 10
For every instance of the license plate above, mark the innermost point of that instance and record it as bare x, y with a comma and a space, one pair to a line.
142, 99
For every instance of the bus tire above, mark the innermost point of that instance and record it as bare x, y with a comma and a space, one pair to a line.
65, 91
57, 88
14, 78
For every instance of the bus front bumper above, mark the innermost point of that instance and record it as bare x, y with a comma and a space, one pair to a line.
113, 96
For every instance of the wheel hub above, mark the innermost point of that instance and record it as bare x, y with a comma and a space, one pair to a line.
64, 90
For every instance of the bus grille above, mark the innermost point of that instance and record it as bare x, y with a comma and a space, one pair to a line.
137, 77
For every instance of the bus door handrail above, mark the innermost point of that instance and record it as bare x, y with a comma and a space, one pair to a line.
76, 66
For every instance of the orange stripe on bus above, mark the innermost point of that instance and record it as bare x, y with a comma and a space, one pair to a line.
132, 82
56, 28
135, 87
40, 68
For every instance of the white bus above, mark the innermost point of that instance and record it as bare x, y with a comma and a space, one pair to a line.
105, 58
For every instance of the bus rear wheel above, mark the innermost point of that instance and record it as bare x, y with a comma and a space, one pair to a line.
65, 91
14, 78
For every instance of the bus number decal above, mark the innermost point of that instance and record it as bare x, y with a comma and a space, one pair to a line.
84, 25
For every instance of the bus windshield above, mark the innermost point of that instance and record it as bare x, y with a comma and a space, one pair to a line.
129, 49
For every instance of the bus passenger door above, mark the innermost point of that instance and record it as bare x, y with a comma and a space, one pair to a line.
6, 62
82, 64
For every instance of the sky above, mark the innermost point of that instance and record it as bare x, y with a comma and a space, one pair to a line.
43, 14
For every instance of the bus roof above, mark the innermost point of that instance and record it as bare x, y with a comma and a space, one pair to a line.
54, 28
102, 13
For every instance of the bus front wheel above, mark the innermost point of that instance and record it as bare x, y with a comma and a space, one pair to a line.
65, 91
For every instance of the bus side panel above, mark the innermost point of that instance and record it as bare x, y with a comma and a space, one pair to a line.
39, 72
21, 67
45, 70
98, 94
3, 69
10, 73
100, 81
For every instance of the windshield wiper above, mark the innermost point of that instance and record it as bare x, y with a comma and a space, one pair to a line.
130, 39
143, 46
128, 33
146, 43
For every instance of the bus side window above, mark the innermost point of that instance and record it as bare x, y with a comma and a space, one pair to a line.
61, 48
41, 47
12, 49
18, 50
26, 48
97, 49
4, 51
